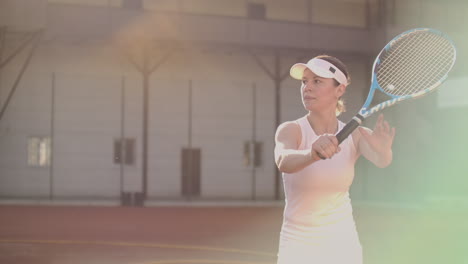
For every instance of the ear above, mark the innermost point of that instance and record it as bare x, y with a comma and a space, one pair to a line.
340, 90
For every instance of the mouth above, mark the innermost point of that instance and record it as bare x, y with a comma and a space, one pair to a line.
307, 97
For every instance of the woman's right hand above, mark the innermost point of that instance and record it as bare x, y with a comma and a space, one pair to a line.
325, 147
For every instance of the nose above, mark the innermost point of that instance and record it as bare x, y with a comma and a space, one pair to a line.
307, 86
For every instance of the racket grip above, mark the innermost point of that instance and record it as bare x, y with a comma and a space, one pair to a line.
349, 128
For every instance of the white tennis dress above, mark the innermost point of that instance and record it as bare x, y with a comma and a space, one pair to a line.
318, 224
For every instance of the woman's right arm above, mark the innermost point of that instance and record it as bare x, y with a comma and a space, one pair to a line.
287, 156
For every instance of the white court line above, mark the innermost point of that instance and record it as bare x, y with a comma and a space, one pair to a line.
130, 244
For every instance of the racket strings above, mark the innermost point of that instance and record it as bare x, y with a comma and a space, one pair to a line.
397, 53
392, 61
408, 79
444, 60
436, 56
438, 73
429, 68
415, 62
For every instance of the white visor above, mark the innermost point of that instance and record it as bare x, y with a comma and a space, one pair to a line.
321, 68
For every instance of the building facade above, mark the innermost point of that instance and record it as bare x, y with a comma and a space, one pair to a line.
178, 100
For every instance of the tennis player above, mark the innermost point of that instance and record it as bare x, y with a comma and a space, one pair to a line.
318, 224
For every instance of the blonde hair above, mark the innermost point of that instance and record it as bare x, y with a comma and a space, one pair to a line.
340, 107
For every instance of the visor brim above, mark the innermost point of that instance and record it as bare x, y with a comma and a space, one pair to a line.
297, 71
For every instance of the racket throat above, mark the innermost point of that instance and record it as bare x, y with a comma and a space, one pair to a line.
349, 128
358, 118
376, 101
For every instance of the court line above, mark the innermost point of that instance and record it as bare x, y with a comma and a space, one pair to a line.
130, 244
209, 261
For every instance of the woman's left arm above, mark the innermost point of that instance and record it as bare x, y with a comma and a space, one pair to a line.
376, 145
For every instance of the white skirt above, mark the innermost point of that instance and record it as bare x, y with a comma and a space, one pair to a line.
337, 243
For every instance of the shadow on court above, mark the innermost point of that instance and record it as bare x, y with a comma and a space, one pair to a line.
230, 235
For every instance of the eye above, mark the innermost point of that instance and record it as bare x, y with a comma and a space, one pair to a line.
317, 81
304, 81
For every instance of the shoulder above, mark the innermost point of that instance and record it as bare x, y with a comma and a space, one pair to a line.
289, 127
289, 131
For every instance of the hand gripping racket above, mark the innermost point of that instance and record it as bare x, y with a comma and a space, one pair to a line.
411, 65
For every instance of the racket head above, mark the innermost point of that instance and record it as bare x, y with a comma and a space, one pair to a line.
414, 63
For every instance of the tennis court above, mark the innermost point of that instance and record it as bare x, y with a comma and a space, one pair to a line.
232, 234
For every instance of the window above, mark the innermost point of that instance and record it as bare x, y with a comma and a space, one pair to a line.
89, 2
39, 151
256, 11
132, 4
191, 172
124, 151
258, 157
247, 159
294, 10
349, 13
253, 154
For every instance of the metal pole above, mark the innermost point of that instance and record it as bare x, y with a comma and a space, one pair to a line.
146, 72
52, 138
122, 135
190, 150
3, 32
190, 113
277, 81
254, 140
145, 134
277, 78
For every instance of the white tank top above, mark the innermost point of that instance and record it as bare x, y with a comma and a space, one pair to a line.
318, 212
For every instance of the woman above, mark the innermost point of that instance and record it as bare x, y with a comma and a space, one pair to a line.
318, 225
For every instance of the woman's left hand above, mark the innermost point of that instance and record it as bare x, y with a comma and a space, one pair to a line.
381, 139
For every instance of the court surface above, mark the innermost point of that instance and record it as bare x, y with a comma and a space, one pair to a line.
229, 235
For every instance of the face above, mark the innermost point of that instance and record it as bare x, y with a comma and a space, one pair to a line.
320, 94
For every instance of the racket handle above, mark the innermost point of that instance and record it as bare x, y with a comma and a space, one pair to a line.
349, 128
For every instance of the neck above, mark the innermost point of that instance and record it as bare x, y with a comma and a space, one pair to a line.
323, 123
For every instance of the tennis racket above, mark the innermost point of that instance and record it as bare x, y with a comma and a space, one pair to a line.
411, 65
